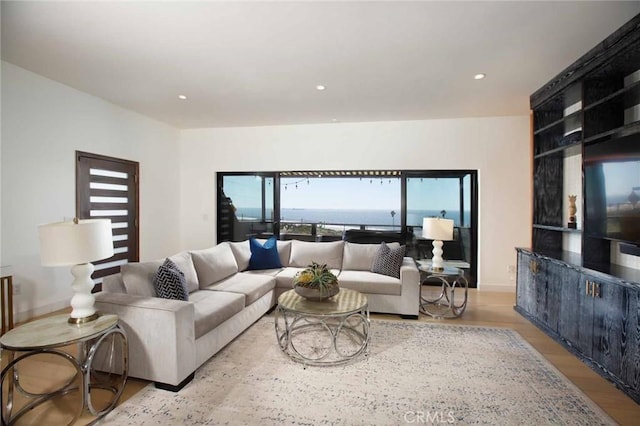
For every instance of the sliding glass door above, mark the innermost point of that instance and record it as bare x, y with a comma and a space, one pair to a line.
246, 205
450, 195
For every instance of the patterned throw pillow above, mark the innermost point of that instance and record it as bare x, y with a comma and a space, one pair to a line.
264, 256
388, 260
169, 282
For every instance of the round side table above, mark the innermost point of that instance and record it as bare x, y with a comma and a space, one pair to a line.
445, 304
96, 365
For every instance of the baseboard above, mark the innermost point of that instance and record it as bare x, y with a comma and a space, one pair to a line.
175, 388
30, 314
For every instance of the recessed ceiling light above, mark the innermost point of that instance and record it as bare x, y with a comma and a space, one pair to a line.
183, 97
320, 87
479, 76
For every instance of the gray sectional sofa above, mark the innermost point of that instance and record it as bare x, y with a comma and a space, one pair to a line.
170, 339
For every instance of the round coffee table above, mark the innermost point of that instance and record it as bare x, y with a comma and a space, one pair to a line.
330, 332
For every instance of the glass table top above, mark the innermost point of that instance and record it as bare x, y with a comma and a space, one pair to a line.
346, 301
54, 331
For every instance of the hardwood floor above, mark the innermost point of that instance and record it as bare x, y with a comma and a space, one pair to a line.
484, 308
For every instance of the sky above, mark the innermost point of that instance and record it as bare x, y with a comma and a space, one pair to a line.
348, 193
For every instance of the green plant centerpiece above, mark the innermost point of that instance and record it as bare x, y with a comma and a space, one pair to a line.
316, 283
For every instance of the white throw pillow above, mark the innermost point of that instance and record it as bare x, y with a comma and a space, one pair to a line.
214, 264
138, 277
329, 253
184, 262
359, 257
242, 254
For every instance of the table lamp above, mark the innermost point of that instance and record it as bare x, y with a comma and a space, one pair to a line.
77, 243
438, 230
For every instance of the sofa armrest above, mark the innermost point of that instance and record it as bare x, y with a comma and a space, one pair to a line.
409, 270
410, 279
160, 333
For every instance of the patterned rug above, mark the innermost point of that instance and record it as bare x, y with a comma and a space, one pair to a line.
414, 373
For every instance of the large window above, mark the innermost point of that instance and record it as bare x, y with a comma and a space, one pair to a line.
332, 205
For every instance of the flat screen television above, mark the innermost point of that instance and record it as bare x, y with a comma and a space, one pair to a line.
612, 189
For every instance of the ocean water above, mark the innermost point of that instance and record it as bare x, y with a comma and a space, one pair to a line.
351, 217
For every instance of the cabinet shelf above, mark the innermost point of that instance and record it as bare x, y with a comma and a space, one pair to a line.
558, 228
618, 132
571, 149
632, 92
571, 116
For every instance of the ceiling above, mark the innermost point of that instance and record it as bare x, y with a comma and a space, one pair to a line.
258, 63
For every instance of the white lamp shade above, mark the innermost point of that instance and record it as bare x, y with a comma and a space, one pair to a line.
70, 243
435, 228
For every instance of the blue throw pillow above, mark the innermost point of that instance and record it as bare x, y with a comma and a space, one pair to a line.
264, 256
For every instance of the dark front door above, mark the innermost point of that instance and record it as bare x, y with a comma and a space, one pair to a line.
107, 188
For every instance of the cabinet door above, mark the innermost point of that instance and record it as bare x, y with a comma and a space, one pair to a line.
584, 342
550, 281
525, 290
610, 315
630, 368
569, 316
539, 288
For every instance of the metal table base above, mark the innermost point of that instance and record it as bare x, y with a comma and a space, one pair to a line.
445, 304
323, 337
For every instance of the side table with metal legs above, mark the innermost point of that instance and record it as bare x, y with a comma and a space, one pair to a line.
454, 292
96, 366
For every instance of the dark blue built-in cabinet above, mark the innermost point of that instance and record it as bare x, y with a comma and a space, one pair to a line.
581, 298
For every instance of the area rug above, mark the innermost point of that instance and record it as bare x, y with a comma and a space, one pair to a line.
414, 373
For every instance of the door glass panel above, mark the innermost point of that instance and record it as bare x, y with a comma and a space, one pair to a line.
449, 197
251, 200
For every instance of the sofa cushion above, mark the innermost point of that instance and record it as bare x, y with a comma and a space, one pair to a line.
214, 264
242, 252
184, 262
359, 257
212, 308
284, 251
138, 277
268, 272
329, 253
284, 279
251, 286
169, 282
264, 255
370, 282
388, 260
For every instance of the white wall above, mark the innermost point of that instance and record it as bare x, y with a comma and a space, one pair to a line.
499, 148
43, 124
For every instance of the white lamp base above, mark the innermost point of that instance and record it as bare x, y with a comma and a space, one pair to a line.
437, 264
82, 301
